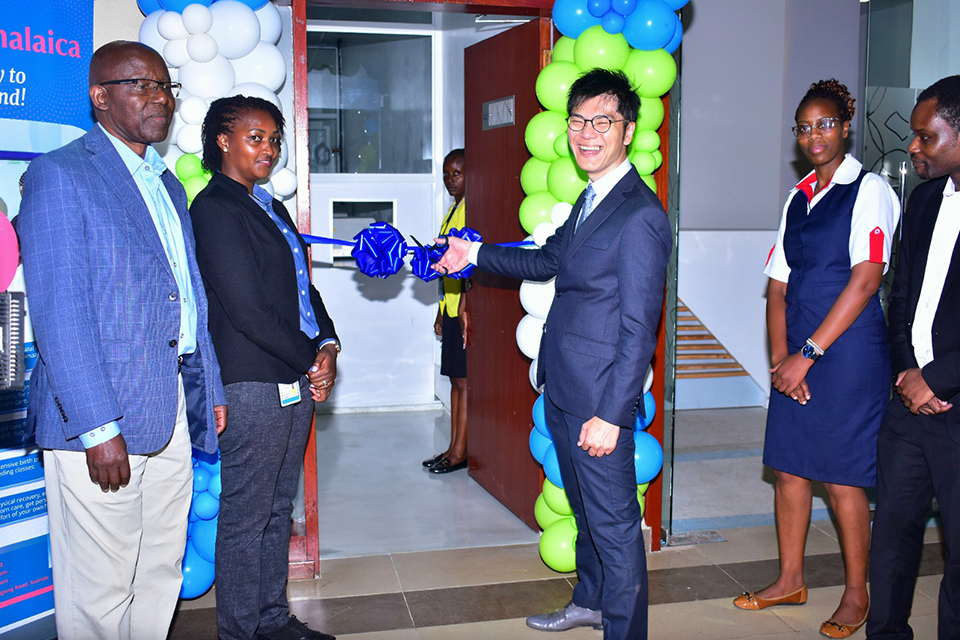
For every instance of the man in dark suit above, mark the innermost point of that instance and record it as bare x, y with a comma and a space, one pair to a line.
919, 444
609, 259
118, 309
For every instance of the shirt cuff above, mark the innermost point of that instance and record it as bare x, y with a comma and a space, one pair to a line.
97, 437
328, 341
474, 252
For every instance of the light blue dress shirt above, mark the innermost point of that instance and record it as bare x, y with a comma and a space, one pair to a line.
146, 174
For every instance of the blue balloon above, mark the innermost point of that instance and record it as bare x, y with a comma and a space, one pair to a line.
149, 6
571, 17
647, 458
551, 466
203, 537
253, 4
649, 409
650, 26
180, 5
612, 22
538, 444
540, 418
205, 506
209, 461
198, 574
677, 37
624, 7
676, 4
598, 8
215, 486
201, 478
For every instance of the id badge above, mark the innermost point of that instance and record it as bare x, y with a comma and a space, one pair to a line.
289, 393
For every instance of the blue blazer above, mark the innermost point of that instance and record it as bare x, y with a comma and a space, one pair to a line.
104, 303
601, 331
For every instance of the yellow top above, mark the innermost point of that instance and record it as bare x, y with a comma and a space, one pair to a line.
456, 219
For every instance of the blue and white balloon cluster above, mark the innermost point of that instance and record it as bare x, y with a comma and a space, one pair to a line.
198, 558
215, 50
646, 24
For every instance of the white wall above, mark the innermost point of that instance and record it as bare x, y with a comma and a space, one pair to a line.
935, 51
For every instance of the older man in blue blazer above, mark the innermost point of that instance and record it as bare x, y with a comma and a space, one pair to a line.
609, 259
127, 374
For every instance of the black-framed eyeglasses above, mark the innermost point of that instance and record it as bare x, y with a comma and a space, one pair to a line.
823, 125
147, 87
600, 124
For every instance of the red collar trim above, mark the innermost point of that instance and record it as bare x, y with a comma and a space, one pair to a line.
807, 185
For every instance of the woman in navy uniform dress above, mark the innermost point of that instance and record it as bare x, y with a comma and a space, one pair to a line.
828, 343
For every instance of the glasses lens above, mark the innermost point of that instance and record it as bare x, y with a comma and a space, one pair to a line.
576, 123
801, 130
602, 124
826, 124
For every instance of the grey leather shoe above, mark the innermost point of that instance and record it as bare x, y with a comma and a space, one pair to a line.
570, 617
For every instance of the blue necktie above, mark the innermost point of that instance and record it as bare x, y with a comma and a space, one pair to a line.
587, 205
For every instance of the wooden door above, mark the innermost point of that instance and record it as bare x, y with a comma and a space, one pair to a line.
499, 415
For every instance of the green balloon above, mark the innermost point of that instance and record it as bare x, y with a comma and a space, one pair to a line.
193, 186
657, 157
651, 114
597, 48
533, 176
535, 209
643, 504
556, 499
562, 146
541, 131
553, 84
652, 72
565, 181
644, 140
563, 49
558, 545
650, 182
188, 165
642, 488
643, 161
544, 515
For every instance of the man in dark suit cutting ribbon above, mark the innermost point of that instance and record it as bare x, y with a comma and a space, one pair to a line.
609, 259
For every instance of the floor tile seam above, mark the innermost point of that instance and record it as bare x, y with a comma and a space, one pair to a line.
406, 603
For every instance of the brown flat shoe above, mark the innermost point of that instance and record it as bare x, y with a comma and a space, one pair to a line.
752, 602
833, 629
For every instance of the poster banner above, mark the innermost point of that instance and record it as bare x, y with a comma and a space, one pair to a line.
45, 50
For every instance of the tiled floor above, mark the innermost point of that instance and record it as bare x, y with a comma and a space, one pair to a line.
410, 556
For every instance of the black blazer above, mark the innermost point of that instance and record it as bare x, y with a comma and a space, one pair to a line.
251, 283
943, 373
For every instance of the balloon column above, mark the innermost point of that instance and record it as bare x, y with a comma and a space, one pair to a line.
216, 49
552, 509
198, 558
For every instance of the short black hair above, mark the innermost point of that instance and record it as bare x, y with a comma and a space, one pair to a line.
603, 82
220, 118
946, 92
833, 91
456, 153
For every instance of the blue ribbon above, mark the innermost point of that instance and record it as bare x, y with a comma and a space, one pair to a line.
379, 250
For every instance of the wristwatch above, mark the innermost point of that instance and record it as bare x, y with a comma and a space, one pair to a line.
808, 352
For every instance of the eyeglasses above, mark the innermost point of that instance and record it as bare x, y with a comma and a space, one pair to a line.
146, 87
823, 125
600, 124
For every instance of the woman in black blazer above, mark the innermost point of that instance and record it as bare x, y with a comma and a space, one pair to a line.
278, 352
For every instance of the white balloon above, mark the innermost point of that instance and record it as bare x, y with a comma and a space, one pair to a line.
212, 79
201, 47
174, 77
193, 110
254, 90
235, 28
270, 24
529, 332
189, 140
265, 64
170, 26
284, 183
533, 376
536, 297
560, 213
175, 53
542, 232
648, 380
196, 18
149, 34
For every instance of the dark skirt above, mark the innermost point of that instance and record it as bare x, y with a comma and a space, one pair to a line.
453, 357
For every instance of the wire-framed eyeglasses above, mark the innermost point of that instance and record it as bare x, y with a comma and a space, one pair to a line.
147, 87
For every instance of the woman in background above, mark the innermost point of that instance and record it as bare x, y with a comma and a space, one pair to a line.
278, 352
828, 345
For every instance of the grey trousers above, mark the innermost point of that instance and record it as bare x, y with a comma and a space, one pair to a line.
261, 451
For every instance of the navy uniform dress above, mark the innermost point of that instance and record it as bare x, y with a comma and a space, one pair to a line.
833, 438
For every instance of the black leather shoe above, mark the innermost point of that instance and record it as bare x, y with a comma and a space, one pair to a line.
570, 617
444, 466
430, 462
295, 630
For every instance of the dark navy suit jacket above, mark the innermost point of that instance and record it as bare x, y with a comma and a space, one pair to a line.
104, 304
601, 331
